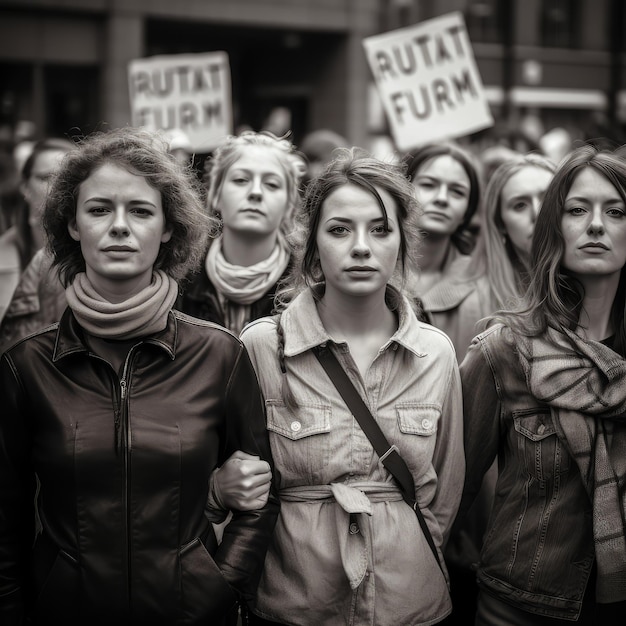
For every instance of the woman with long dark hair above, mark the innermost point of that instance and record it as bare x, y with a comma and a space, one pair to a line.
545, 394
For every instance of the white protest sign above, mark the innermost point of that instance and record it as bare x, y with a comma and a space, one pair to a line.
187, 91
428, 81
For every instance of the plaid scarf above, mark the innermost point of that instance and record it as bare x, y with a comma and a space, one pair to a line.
584, 383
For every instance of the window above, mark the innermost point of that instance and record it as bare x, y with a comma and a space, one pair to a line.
560, 21
484, 20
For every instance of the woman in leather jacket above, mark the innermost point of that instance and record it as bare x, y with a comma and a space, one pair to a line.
115, 418
544, 393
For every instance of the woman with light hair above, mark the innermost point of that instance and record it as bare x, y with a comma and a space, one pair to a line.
512, 203
253, 190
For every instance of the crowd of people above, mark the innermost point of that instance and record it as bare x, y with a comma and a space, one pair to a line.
313, 386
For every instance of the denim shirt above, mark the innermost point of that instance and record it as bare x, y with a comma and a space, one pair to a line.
347, 549
538, 551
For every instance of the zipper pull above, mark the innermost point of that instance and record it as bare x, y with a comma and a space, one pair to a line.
123, 388
116, 426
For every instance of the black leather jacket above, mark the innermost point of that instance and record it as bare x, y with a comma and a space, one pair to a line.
123, 465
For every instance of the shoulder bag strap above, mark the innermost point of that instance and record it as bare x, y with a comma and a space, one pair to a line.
389, 455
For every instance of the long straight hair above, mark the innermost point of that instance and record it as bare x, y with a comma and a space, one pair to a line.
504, 270
554, 296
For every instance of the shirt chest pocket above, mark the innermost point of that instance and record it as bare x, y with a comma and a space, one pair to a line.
417, 426
542, 452
300, 441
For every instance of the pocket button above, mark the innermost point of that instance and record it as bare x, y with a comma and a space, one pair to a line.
296, 426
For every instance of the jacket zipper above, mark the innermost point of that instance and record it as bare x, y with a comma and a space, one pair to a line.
126, 444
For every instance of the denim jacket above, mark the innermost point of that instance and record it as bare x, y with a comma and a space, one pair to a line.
538, 551
347, 549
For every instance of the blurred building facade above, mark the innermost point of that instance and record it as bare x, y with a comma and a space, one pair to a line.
64, 63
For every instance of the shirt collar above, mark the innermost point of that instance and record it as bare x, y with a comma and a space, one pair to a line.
303, 328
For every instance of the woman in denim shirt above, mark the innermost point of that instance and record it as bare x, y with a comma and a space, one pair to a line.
544, 392
347, 548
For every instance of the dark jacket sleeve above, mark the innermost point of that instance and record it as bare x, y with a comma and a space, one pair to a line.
241, 554
481, 422
17, 492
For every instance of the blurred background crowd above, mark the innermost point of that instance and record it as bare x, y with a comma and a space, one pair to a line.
553, 71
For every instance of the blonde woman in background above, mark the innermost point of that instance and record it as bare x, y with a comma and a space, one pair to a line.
253, 189
512, 202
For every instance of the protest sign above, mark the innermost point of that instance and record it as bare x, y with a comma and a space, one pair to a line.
428, 81
187, 91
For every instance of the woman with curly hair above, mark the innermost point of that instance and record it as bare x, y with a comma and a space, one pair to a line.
348, 547
115, 417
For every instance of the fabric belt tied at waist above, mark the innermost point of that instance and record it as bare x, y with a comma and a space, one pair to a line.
353, 499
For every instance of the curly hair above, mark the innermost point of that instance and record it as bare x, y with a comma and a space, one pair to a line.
293, 162
554, 297
145, 154
463, 238
357, 167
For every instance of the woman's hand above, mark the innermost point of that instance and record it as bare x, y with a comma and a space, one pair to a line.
242, 483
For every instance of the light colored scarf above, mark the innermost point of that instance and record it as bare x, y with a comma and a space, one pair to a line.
143, 314
584, 383
239, 286
242, 284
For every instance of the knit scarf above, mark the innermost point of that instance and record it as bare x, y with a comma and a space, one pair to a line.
142, 314
239, 286
584, 383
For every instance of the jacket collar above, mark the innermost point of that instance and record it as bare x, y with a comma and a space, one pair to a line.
449, 292
303, 328
70, 338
